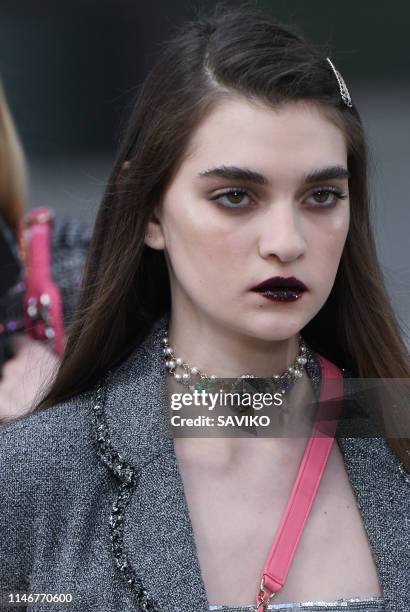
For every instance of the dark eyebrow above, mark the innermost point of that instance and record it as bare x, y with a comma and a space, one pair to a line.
235, 173
325, 174
251, 176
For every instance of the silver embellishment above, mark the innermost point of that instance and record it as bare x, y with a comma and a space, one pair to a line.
344, 92
127, 475
353, 604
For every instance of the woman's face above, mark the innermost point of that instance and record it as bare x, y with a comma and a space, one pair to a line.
261, 193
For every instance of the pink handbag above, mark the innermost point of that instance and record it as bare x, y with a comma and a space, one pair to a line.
311, 468
42, 300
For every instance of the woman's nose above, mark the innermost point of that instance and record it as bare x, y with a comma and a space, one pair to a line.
281, 233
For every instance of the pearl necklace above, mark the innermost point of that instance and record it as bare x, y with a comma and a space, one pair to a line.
288, 376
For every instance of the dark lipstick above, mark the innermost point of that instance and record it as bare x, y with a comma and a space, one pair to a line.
281, 289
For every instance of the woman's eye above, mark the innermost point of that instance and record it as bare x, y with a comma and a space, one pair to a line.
240, 198
326, 198
233, 198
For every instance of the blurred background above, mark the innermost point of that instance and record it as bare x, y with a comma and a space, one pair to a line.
71, 71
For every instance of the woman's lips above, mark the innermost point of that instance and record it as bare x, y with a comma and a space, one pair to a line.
281, 295
281, 289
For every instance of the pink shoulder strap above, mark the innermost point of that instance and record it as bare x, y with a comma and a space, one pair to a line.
306, 484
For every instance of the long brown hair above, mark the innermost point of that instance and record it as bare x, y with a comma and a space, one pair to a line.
126, 286
12, 168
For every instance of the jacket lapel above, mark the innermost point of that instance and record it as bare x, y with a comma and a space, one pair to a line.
157, 538
381, 489
382, 496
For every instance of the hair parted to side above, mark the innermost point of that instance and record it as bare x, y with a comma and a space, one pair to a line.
12, 169
229, 52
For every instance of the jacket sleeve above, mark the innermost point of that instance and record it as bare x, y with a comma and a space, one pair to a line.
47, 462
18, 485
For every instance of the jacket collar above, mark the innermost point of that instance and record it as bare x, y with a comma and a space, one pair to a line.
151, 530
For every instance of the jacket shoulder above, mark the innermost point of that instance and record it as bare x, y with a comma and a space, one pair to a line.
46, 439
48, 466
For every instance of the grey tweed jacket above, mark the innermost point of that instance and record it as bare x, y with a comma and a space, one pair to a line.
92, 502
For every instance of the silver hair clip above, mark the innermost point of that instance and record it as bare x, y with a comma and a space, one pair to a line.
344, 92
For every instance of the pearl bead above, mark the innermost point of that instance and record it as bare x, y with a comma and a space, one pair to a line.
49, 332
213, 376
301, 360
168, 351
165, 340
171, 364
276, 376
32, 311
291, 370
45, 299
177, 376
185, 376
194, 370
179, 361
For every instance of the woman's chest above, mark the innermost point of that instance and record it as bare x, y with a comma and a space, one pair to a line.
235, 518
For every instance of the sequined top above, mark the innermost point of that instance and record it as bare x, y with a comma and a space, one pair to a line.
355, 604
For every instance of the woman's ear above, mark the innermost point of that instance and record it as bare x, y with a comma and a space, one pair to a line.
123, 171
154, 236
122, 174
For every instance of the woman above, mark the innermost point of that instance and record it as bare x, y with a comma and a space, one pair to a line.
21, 357
17, 351
244, 162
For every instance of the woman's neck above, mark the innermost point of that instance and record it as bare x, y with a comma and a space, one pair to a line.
224, 447
225, 352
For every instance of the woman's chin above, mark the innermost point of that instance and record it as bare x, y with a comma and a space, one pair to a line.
274, 328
